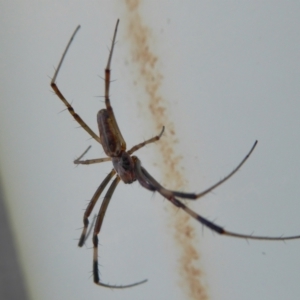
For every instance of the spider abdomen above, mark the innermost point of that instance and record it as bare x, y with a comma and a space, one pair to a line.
109, 134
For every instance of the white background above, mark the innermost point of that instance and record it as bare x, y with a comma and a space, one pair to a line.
231, 75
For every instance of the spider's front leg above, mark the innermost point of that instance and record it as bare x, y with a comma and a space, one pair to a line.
64, 100
106, 116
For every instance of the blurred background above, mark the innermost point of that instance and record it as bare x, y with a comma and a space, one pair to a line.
222, 75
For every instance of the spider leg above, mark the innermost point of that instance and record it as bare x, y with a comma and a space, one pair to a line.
83, 154
109, 108
192, 196
64, 100
148, 182
91, 205
228, 176
91, 161
107, 69
97, 229
141, 145
91, 228
221, 230
78, 160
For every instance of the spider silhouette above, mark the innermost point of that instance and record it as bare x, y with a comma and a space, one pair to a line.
128, 169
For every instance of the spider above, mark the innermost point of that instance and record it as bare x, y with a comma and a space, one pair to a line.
128, 168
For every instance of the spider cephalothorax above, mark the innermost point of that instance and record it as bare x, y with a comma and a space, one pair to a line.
124, 166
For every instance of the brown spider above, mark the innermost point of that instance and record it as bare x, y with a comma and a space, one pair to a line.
128, 169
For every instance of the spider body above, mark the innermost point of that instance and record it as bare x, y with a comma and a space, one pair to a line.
114, 146
128, 168
110, 136
124, 166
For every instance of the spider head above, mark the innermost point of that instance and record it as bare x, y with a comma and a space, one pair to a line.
124, 166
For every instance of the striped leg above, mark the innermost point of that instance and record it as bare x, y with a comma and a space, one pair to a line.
78, 161
97, 229
148, 182
64, 100
190, 196
141, 145
91, 205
